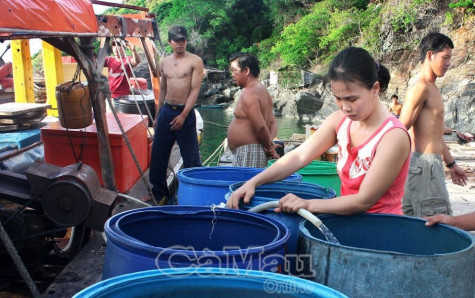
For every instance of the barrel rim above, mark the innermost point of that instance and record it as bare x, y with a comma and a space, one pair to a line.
147, 214
142, 277
307, 185
152, 249
304, 231
183, 175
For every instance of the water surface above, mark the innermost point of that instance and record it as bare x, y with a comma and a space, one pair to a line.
216, 122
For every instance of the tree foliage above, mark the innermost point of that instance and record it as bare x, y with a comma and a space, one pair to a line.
284, 32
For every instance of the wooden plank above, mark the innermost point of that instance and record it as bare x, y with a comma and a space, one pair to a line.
16, 108
83, 271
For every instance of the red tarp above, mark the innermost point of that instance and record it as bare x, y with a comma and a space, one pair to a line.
72, 16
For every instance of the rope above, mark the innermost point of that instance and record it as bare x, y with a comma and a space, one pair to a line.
130, 85
133, 92
134, 157
14, 253
68, 90
218, 124
216, 152
18, 262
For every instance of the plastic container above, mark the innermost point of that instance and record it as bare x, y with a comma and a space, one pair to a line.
187, 236
309, 130
58, 142
139, 83
205, 186
207, 282
385, 255
127, 105
74, 105
274, 192
321, 173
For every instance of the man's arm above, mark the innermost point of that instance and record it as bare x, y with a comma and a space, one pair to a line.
135, 57
273, 127
413, 104
390, 109
464, 221
163, 92
253, 111
457, 173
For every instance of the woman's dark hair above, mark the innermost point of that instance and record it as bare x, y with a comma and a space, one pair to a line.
435, 42
356, 65
247, 60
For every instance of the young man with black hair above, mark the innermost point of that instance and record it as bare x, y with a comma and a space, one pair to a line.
423, 113
181, 74
395, 106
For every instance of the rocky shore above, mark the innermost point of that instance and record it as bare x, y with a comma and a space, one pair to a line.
462, 197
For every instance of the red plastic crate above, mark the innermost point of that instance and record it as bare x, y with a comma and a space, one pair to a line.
58, 149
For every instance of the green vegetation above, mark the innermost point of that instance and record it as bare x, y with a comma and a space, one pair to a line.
37, 62
464, 9
300, 33
465, 5
405, 15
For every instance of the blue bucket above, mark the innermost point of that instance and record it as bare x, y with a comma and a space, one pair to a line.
206, 282
274, 192
384, 255
205, 186
187, 236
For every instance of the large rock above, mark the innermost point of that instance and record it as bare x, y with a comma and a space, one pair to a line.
308, 102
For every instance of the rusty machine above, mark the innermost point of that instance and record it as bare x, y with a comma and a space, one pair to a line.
48, 213
44, 205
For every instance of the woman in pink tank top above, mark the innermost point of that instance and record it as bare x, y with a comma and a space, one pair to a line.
374, 147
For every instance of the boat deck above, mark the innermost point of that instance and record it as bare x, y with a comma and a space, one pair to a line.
86, 268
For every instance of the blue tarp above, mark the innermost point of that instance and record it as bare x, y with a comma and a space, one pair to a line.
19, 139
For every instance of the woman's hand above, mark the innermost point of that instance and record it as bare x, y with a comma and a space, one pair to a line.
291, 204
246, 191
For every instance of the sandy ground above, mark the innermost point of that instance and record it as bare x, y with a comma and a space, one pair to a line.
463, 197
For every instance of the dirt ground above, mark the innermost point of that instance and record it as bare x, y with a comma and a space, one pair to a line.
462, 197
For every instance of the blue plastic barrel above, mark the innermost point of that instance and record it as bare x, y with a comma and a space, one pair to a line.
274, 192
187, 236
320, 172
205, 186
385, 255
206, 282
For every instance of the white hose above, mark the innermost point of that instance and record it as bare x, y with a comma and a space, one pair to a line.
302, 212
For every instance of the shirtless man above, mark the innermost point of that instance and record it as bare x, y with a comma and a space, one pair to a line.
423, 112
181, 74
395, 106
254, 126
